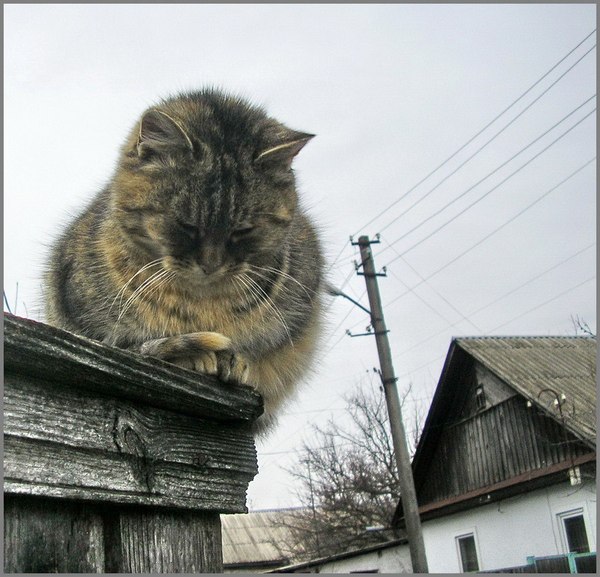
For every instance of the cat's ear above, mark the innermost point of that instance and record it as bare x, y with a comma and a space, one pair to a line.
159, 133
284, 153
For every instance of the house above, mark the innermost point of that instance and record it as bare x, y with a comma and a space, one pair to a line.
256, 542
389, 557
505, 470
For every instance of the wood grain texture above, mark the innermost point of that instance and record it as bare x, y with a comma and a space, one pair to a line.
144, 541
52, 536
63, 442
58, 536
114, 462
38, 349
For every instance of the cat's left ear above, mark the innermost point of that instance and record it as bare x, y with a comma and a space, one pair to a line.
284, 153
159, 133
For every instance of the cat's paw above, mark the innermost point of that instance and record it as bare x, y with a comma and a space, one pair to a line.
185, 346
204, 362
232, 368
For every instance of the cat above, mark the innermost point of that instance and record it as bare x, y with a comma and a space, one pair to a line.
198, 251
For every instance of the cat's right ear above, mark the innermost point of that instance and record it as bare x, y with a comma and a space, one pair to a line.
159, 134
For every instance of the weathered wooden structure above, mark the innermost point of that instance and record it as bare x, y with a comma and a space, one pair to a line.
496, 425
114, 462
505, 469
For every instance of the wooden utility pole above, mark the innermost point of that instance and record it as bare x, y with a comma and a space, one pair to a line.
407, 486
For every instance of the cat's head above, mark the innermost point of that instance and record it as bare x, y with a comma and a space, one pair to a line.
205, 183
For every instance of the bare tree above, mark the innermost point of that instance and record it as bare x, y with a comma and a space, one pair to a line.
581, 327
348, 479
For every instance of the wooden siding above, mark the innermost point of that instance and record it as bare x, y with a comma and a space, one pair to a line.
116, 463
494, 445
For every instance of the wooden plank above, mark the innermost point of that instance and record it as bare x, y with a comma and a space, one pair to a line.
38, 349
79, 419
51, 536
77, 444
62, 471
143, 541
60, 536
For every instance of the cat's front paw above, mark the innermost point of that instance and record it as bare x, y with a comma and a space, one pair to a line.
232, 367
188, 345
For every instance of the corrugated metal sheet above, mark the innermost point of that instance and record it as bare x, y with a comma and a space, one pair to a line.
533, 365
256, 538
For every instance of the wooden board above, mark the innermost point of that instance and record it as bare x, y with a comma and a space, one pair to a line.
61, 357
57, 536
114, 462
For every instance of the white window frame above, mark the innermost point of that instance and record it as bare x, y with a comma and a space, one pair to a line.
457, 538
578, 512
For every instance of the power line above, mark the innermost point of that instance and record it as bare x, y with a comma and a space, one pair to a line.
436, 292
498, 299
532, 279
493, 232
508, 322
434, 214
544, 303
478, 200
478, 133
488, 142
469, 249
498, 228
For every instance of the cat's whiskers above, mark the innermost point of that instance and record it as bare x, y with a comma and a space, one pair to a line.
121, 292
254, 289
251, 289
145, 286
254, 268
166, 279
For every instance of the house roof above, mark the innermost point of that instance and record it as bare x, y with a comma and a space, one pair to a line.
340, 556
541, 367
533, 367
538, 368
256, 538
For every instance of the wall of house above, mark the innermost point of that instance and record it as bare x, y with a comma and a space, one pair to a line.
498, 443
508, 531
389, 560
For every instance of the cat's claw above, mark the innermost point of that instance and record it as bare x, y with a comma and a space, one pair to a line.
232, 368
206, 363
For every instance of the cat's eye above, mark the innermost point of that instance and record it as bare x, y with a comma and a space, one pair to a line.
241, 233
189, 229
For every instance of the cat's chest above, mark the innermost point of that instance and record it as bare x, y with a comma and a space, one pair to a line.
173, 314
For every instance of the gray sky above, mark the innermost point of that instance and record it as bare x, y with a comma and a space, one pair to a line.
392, 91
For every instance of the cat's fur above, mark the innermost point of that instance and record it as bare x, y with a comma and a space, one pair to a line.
197, 251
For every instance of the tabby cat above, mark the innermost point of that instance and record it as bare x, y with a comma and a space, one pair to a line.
198, 252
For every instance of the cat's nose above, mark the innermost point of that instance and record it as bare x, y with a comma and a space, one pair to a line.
209, 267
210, 258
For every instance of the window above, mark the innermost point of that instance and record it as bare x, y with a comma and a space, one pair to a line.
480, 397
575, 534
467, 551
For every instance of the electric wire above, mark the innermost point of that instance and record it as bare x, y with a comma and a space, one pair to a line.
481, 148
439, 294
412, 371
543, 304
480, 131
499, 167
492, 233
498, 299
493, 189
513, 218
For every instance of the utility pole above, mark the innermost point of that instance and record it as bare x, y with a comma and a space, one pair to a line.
407, 486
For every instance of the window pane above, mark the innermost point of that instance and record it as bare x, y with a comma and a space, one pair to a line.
468, 554
576, 535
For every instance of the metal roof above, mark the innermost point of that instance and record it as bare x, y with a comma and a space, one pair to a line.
257, 538
539, 368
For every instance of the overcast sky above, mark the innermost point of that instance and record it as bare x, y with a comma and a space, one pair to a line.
492, 247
